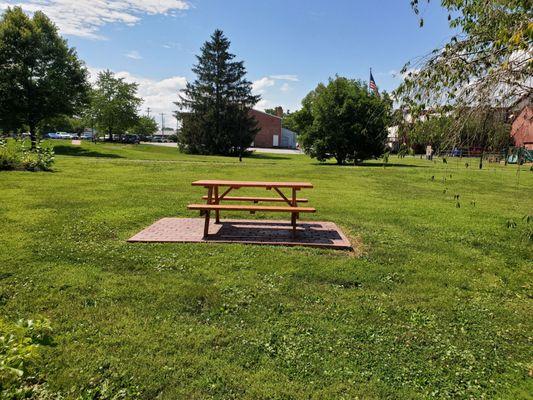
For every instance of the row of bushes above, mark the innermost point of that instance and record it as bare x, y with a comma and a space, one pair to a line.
18, 155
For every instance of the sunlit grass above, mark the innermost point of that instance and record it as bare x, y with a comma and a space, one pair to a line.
436, 302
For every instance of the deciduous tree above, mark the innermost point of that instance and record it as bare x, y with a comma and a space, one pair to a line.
487, 63
484, 69
145, 126
114, 104
342, 120
40, 76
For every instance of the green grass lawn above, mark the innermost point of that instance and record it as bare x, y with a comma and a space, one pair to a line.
435, 302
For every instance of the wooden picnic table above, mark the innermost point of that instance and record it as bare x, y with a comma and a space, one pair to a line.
215, 196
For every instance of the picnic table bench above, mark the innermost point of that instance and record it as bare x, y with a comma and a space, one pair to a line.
214, 197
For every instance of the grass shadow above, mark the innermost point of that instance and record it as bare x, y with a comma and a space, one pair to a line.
81, 152
267, 156
368, 164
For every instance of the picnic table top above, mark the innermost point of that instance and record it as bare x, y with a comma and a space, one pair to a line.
211, 182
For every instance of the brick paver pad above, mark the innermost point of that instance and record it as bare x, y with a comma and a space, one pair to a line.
266, 232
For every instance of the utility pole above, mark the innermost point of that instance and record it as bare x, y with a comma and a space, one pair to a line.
148, 111
162, 125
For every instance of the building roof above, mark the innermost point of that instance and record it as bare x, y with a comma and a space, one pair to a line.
262, 112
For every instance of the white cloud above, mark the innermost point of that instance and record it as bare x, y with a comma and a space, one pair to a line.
263, 85
159, 95
134, 55
172, 45
293, 78
285, 87
263, 105
85, 17
259, 86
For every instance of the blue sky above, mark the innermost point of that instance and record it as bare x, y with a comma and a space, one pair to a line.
288, 46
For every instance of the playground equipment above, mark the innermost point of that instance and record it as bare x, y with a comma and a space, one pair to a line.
519, 155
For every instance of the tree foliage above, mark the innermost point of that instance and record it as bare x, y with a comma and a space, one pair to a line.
486, 129
114, 104
145, 126
40, 76
430, 130
214, 108
62, 123
342, 120
487, 63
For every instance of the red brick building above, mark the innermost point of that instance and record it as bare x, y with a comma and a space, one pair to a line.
522, 129
270, 129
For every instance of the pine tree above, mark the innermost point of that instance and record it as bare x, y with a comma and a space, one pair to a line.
214, 109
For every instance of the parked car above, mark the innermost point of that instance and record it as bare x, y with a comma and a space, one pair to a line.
53, 135
86, 136
157, 139
133, 139
63, 135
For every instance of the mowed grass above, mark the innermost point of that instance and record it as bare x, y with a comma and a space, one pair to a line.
435, 302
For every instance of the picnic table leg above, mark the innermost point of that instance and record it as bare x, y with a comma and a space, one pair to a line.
217, 212
294, 215
208, 212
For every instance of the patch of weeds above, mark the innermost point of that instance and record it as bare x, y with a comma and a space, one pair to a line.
420, 318
109, 384
393, 277
337, 278
199, 299
236, 299
20, 356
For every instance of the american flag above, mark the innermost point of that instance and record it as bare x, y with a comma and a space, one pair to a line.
373, 85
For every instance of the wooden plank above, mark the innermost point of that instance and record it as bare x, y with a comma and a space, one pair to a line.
208, 211
217, 201
294, 216
228, 207
263, 199
211, 182
282, 195
225, 193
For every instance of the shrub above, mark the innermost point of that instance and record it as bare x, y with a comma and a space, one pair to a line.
19, 351
9, 158
343, 120
16, 155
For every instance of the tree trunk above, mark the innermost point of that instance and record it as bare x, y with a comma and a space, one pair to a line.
506, 155
33, 136
481, 158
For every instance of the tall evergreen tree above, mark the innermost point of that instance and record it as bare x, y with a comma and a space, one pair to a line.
214, 109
